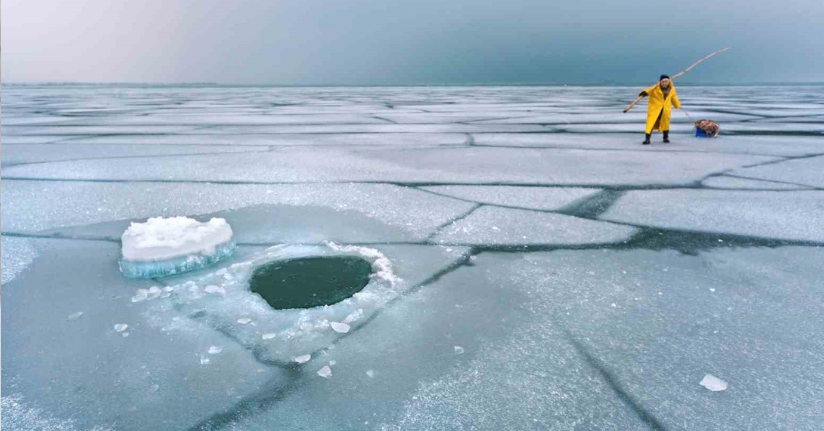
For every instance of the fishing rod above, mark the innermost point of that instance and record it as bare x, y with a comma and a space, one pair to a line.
677, 75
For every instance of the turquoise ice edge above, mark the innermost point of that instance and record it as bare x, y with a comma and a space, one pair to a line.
177, 265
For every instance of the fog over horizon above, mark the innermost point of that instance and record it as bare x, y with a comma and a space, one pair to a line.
368, 42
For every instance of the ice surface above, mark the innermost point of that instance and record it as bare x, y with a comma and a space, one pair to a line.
19, 415
23, 154
68, 131
586, 335
492, 225
657, 346
266, 140
516, 370
805, 172
791, 215
17, 254
463, 165
30, 206
10, 141
729, 182
713, 383
109, 379
756, 145
549, 199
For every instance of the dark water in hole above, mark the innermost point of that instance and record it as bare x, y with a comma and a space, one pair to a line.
310, 281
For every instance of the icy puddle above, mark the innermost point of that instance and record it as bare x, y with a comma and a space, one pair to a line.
310, 281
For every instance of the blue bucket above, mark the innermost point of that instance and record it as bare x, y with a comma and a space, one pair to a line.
700, 133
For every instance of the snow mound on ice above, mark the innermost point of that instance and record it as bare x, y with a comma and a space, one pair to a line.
168, 246
165, 238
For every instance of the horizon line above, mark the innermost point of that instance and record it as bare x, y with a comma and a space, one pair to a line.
321, 85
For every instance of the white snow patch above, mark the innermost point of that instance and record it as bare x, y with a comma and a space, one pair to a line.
269, 336
370, 373
713, 383
244, 321
75, 316
120, 327
459, 350
302, 359
214, 350
165, 238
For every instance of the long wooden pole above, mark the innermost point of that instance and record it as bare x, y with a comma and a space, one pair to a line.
677, 75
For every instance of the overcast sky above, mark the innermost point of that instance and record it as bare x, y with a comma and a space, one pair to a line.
369, 42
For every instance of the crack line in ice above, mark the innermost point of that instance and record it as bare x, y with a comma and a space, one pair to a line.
612, 381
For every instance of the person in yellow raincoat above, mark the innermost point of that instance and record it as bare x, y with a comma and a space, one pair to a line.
662, 97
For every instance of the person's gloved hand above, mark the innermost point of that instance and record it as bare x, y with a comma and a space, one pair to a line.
643, 94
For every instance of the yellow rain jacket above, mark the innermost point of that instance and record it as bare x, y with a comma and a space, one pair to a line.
657, 103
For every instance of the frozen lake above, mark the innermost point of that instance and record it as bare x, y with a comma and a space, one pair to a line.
541, 269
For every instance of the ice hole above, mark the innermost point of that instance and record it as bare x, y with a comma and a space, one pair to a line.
310, 281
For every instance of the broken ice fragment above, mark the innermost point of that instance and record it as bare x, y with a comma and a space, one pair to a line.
215, 290
333, 363
340, 327
75, 316
153, 293
325, 372
165, 246
141, 295
244, 321
302, 359
459, 350
370, 373
214, 350
713, 383
269, 336
204, 360
120, 327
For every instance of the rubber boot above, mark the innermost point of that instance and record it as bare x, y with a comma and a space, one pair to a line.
666, 136
646, 141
